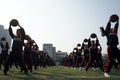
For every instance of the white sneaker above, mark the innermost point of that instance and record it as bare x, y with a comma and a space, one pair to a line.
93, 69
106, 75
75, 68
80, 68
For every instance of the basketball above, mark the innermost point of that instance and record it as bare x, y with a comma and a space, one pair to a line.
114, 18
14, 22
93, 35
85, 40
78, 44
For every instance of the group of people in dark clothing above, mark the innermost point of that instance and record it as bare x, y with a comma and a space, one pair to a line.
24, 54
86, 55
89, 53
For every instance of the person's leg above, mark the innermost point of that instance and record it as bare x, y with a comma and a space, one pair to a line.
1, 58
10, 60
88, 63
100, 65
118, 55
21, 62
111, 61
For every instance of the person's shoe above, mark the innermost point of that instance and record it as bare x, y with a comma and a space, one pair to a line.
80, 68
5, 73
106, 75
75, 68
94, 69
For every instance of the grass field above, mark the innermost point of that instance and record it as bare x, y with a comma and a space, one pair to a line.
58, 73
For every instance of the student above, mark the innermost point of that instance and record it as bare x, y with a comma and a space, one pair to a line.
100, 55
93, 48
34, 55
79, 56
4, 53
112, 42
17, 47
28, 52
86, 52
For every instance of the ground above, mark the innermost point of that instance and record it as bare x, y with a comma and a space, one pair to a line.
58, 73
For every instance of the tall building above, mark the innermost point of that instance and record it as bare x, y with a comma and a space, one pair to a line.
56, 56
54, 53
50, 50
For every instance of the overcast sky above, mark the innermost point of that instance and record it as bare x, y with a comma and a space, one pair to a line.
64, 23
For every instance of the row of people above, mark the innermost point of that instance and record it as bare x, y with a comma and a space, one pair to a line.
90, 47
92, 50
86, 55
24, 58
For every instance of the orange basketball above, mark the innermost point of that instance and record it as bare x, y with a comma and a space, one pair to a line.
114, 18
14, 22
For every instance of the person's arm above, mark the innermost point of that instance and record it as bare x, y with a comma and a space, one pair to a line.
100, 48
1, 45
108, 28
116, 26
89, 43
7, 46
22, 33
11, 32
82, 47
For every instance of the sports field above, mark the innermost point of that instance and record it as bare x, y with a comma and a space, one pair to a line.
58, 73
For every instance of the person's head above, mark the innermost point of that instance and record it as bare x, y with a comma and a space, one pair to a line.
93, 35
3, 39
18, 32
92, 43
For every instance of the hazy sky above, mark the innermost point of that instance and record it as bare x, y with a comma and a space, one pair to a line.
64, 23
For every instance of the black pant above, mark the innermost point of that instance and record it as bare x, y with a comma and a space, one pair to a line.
113, 55
93, 59
3, 57
15, 56
28, 61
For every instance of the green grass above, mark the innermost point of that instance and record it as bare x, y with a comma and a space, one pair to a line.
58, 73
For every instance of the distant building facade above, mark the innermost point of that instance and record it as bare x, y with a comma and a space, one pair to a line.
56, 56
60, 55
54, 53
51, 51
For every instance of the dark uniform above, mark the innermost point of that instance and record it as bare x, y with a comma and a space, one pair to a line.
17, 48
112, 42
4, 53
34, 56
86, 54
28, 52
93, 58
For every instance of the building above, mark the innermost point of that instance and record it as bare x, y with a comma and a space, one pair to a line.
56, 56
54, 53
60, 55
50, 50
